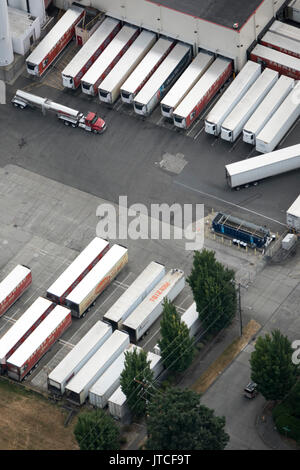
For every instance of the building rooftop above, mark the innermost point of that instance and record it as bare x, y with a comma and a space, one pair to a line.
222, 12
19, 21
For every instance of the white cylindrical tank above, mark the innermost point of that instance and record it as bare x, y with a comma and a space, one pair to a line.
19, 4
6, 47
37, 9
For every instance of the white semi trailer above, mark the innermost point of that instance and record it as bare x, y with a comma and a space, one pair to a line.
185, 83
77, 389
117, 403
231, 97
235, 121
78, 357
108, 383
286, 30
135, 294
251, 170
293, 216
267, 108
109, 89
151, 308
280, 123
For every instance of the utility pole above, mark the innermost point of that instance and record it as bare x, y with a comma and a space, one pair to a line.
240, 309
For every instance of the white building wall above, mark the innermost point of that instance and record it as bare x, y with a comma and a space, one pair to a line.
200, 33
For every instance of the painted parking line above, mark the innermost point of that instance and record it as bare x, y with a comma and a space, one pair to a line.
229, 203
198, 133
235, 144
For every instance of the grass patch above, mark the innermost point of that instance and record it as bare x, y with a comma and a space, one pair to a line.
30, 422
223, 361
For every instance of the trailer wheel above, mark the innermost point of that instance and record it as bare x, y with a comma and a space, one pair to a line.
95, 132
16, 105
73, 125
66, 123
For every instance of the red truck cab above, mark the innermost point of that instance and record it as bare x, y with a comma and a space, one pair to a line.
95, 123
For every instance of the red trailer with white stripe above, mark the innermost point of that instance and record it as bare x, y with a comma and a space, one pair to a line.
201, 94
40, 341
282, 63
77, 270
90, 52
23, 327
55, 41
13, 286
281, 44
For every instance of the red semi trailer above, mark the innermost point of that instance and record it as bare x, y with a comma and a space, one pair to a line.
90, 52
281, 44
77, 270
275, 60
13, 286
55, 41
23, 327
40, 341
202, 92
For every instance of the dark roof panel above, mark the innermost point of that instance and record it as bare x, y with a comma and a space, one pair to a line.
222, 12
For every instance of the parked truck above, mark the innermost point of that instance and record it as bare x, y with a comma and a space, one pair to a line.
22, 361
267, 108
13, 286
278, 61
280, 123
102, 274
293, 216
134, 295
77, 389
253, 169
231, 97
77, 270
233, 125
70, 117
23, 327
72, 363
202, 92
151, 308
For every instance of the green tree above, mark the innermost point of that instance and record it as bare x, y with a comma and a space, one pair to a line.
272, 367
177, 421
95, 430
176, 347
214, 291
135, 380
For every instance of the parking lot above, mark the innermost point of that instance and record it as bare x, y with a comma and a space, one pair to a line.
53, 178
45, 224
